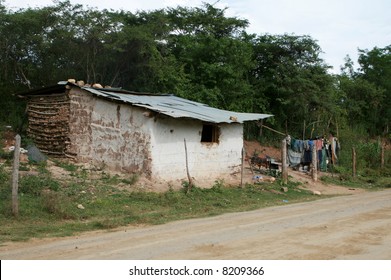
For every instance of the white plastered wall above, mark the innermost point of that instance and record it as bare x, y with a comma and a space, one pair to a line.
207, 162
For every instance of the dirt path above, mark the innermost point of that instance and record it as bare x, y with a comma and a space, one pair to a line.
348, 227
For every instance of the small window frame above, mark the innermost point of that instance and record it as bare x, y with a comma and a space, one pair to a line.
210, 133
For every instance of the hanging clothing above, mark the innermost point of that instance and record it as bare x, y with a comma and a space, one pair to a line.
319, 144
294, 158
296, 145
311, 144
299, 146
323, 162
306, 145
333, 146
307, 158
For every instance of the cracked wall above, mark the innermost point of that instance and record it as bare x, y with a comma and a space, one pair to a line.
109, 134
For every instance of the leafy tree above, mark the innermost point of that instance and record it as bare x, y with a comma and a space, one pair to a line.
196, 53
376, 69
214, 55
292, 78
366, 93
23, 45
149, 63
362, 103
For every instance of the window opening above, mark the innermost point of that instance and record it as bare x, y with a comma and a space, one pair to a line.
210, 133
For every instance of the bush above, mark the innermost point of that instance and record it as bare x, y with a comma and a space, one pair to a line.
368, 155
368, 152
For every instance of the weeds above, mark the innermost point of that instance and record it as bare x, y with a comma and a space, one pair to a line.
61, 207
131, 180
67, 166
366, 182
34, 185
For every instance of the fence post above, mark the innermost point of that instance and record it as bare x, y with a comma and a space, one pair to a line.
314, 163
15, 177
242, 168
284, 162
187, 169
354, 162
382, 156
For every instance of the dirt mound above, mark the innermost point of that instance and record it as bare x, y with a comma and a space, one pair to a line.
254, 147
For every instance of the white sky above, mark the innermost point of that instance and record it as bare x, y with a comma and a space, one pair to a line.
339, 26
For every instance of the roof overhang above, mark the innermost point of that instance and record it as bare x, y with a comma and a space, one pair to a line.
170, 105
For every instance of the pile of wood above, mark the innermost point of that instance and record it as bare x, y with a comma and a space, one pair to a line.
49, 122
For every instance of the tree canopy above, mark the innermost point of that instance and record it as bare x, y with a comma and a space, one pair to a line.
196, 53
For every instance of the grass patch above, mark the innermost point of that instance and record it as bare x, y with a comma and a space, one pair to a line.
50, 207
367, 181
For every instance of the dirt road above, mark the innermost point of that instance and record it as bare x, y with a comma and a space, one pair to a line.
348, 227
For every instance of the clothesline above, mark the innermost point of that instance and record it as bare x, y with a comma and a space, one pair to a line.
272, 129
262, 125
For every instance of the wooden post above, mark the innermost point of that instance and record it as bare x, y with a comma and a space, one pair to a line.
336, 126
187, 169
353, 162
382, 156
332, 151
15, 177
314, 163
284, 162
242, 170
261, 129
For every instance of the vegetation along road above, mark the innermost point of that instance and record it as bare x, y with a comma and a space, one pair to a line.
345, 227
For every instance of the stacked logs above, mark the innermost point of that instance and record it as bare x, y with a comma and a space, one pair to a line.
49, 122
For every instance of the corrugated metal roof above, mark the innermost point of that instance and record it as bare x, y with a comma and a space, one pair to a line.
177, 107
166, 104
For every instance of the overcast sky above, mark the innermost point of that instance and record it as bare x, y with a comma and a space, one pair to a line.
339, 26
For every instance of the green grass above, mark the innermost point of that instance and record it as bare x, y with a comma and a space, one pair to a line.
48, 207
370, 179
369, 183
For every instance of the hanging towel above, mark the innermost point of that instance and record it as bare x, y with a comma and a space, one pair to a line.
319, 144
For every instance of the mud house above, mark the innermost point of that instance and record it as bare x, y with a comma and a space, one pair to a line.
136, 132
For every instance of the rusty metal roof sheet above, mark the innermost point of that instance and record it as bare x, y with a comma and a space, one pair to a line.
171, 105
177, 107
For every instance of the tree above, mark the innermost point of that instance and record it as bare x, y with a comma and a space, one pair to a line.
376, 69
362, 103
366, 93
22, 45
294, 81
214, 55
